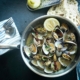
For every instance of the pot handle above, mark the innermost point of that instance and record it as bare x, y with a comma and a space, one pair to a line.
6, 46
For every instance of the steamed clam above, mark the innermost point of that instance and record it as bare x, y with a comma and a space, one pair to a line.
52, 47
41, 30
64, 27
72, 49
47, 63
48, 48
38, 42
61, 46
64, 62
48, 70
34, 62
57, 34
52, 66
40, 64
69, 36
38, 39
27, 51
66, 56
30, 50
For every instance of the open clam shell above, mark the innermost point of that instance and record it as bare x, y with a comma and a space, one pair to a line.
72, 50
48, 48
38, 36
70, 42
48, 70
52, 66
60, 46
34, 62
45, 50
40, 29
58, 53
30, 50
44, 58
27, 51
38, 42
57, 34
69, 36
66, 56
40, 64
47, 63
33, 49
64, 27
64, 62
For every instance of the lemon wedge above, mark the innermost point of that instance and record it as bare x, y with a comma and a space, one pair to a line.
33, 3
51, 23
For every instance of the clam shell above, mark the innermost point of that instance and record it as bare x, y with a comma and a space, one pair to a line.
48, 70
58, 34
64, 62
52, 66
45, 58
47, 63
70, 42
38, 36
58, 53
64, 27
38, 43
44, 50
66, 56
27, 51
52, 47
60, 45
40, 64
55, 36
33, 49
69, 36
34, 62
40, 29
73, 50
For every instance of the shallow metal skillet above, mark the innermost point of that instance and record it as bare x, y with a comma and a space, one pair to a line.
40, 20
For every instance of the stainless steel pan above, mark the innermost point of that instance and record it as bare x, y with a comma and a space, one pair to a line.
28, 30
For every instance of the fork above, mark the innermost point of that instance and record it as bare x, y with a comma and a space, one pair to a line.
7, 24
9, 30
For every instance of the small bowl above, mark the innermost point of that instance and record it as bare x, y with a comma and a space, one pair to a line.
27, 30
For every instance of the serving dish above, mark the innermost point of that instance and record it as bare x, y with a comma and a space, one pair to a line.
44, 4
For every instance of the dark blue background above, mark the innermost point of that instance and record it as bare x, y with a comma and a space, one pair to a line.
12, 66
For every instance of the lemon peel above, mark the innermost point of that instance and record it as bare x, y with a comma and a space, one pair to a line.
33, 3
50, 24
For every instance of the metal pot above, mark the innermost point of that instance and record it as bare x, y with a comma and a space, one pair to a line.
28, 30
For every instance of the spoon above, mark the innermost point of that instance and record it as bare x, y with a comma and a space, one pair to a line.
10, 32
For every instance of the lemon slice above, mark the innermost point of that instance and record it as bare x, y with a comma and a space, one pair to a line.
51, 23
33, 3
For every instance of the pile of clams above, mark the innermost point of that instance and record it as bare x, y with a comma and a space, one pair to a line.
51, 51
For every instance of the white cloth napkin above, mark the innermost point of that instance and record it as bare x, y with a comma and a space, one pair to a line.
14, 40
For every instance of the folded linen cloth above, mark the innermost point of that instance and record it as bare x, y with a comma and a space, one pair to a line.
14, 40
